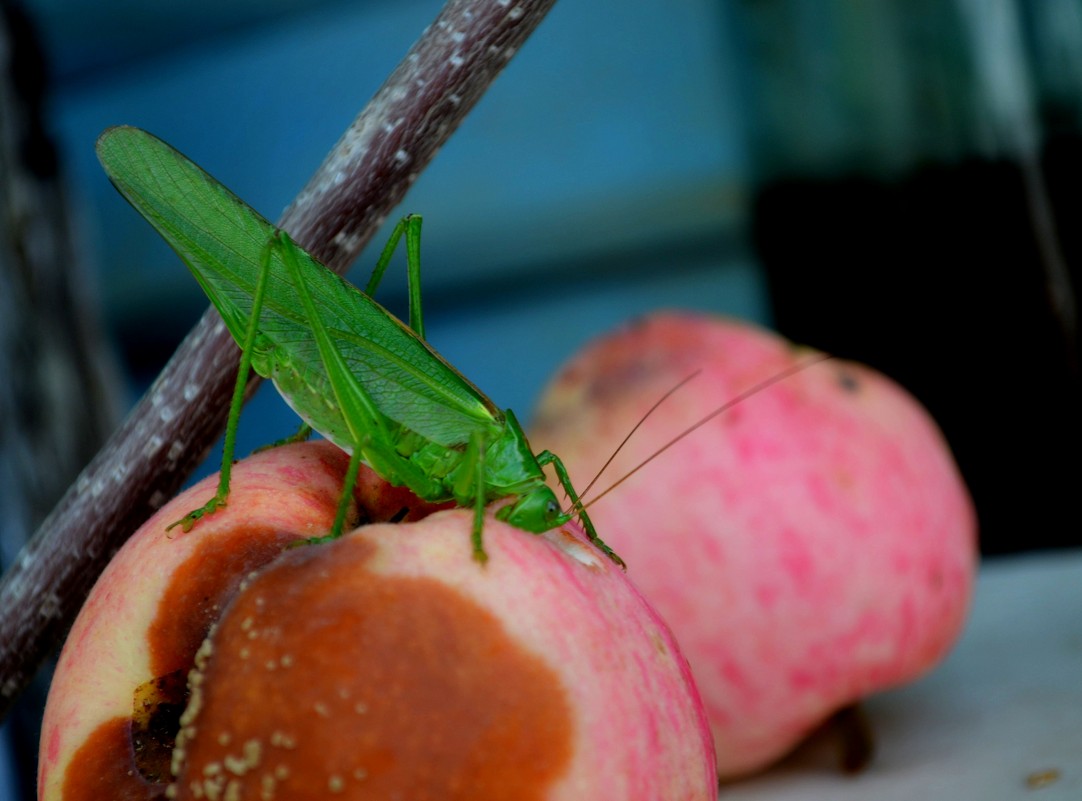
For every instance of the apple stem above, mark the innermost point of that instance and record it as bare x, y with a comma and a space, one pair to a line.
856, 739
334, 216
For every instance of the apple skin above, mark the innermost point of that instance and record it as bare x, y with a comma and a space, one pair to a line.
808, 547
390, 649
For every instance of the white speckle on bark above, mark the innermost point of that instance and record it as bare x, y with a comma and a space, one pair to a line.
120, 473
516, 13
153, 445
221, 359
176, 450
49, 606
402, 157
346, 240
397, 95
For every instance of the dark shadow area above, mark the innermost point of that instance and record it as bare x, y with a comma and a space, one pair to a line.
938, 281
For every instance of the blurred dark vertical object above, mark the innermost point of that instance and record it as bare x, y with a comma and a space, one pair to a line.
57, 401
921, 183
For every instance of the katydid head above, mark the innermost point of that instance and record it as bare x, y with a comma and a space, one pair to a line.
536, 511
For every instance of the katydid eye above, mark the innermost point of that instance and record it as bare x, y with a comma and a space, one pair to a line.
552, 508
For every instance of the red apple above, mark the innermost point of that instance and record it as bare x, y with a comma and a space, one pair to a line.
386, 664
809, 547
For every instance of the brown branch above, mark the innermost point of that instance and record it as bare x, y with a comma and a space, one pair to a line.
166, 435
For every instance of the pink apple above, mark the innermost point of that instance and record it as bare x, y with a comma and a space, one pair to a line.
808, 547
386, 664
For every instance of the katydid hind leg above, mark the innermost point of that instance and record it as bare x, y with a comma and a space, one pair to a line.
548, 457
409, 227
244, 369
413, 267
384, 259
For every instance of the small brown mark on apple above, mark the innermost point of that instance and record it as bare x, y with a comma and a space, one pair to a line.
659, 644
848, 381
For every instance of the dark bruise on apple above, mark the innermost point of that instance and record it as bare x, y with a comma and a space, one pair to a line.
222, 663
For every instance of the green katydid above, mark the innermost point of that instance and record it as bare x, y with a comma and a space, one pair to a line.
351, 370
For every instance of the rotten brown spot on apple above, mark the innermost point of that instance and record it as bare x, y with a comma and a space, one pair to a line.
404, 686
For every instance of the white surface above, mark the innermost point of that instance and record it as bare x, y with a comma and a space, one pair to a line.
1001, 713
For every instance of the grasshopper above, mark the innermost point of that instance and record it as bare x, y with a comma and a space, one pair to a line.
351, 370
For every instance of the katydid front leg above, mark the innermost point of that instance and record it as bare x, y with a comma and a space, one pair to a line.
548, 457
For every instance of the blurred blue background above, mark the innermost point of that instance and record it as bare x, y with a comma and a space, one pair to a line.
868, 178
604, 151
